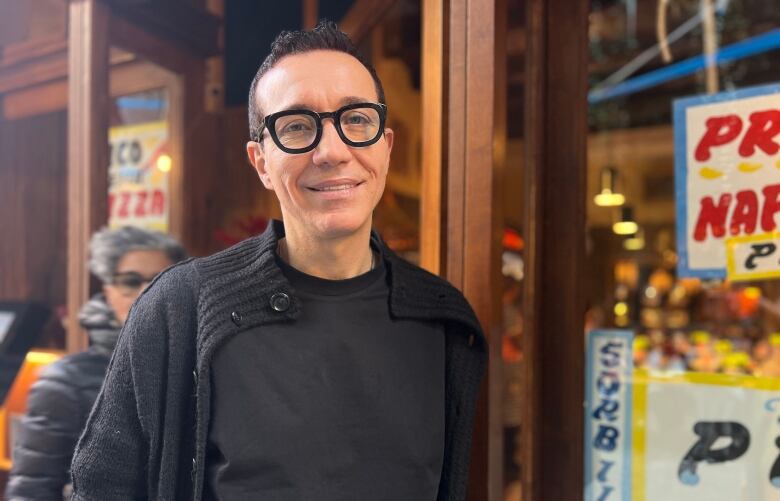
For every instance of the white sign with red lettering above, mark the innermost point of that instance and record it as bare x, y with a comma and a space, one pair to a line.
727, 174
138, 176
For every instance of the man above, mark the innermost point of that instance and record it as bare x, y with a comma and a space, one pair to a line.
309, 362
125, 260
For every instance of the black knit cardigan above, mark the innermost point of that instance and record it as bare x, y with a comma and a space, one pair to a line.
146, 436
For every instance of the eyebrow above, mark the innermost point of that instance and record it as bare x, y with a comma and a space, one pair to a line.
342, 102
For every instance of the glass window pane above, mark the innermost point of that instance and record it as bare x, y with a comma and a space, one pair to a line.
513, 245
394, 46
680, 405
140, 161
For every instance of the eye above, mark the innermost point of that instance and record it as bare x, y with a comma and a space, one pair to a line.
296, 126
133, 282
356, 118
130, 279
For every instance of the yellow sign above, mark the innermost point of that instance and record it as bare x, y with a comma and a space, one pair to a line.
753, 257
138, 176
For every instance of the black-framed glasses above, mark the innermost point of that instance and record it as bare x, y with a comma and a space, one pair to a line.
298, 131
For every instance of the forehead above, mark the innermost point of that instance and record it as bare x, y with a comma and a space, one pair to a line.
143, 261
318, 79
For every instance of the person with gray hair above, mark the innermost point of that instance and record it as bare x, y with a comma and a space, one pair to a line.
128, 258
125, 260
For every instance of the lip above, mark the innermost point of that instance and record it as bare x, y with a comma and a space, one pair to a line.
341, 185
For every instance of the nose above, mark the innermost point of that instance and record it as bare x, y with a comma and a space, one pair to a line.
331, 150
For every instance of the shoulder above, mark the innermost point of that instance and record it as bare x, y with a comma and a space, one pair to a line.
177, 280
232, 259
62, 384
167, 307
413, 272
406, 274
169, 296
70, 369
419, 293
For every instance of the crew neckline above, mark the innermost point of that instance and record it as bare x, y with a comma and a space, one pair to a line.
304, 282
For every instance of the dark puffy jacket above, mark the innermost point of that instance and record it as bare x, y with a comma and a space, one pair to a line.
57, 408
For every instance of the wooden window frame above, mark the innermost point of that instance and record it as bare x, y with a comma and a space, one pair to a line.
93, 30
464, 136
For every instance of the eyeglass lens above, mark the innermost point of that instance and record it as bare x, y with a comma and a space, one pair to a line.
358, 125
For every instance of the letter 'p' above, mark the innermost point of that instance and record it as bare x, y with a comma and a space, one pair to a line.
709, 433
720, 131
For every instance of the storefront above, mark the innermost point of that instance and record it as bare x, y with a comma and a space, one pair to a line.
684, 112
510, 118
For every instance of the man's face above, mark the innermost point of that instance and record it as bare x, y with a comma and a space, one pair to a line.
304, 183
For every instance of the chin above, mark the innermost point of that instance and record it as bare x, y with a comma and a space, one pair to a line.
340, 225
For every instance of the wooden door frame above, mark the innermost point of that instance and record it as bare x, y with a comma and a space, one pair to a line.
464, 88
553, 297
460, 219
88, 155
93, 29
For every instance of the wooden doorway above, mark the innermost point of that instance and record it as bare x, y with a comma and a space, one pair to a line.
111, 56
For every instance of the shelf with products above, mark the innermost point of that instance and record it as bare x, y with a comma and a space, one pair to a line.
704, 326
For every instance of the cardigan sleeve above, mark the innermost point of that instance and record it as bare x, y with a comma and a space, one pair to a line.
118, 456
110, 458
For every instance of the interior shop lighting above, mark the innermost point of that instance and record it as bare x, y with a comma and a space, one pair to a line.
626, 225
608, 196
164, 163
635, 242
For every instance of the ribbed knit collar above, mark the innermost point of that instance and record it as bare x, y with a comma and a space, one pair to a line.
237, 286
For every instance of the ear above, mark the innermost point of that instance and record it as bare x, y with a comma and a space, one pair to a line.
257, 158
389, 136
389, 140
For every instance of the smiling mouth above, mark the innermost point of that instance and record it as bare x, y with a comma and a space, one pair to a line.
338, 187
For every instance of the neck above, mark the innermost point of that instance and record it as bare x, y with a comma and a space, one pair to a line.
332, 259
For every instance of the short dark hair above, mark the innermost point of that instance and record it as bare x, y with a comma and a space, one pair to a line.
325, 36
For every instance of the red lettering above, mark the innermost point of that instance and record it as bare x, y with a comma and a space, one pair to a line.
720, 130
140, 204
764, 126
745, 215
712, 215
111, 200
158, 203
124, 205
771, 206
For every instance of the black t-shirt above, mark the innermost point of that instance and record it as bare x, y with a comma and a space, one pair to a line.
345, 403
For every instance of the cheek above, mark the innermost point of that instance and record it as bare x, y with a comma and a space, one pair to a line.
118, 303
112, 297
377, 162
286, 177
380, 170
